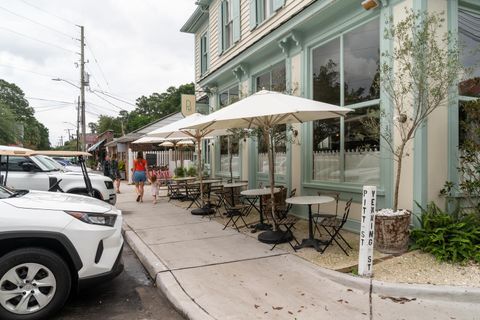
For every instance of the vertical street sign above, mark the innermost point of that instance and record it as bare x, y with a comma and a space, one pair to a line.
367, 231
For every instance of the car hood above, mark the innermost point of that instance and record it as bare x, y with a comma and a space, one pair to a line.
59, 201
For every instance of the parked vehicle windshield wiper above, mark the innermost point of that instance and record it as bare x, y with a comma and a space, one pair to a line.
18, 193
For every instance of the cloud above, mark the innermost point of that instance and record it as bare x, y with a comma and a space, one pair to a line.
138, 45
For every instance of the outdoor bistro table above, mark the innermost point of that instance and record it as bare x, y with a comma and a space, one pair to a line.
206, 209
233, 186
183, 179
258, 193
309, 200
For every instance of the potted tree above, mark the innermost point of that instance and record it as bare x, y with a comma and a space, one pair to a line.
121, 169
417, 77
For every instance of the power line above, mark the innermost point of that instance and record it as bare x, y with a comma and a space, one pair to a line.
38, 40
119, 108
38, 23
49, 13
50, 100
116, 98
27, 70
98, 64
52, 108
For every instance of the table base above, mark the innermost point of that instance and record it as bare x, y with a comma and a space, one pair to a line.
275, 237
315, 243
205, 211
260, 226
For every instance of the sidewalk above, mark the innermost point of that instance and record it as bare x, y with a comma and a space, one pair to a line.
210, 273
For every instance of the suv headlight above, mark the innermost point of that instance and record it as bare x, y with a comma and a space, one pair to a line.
94, 218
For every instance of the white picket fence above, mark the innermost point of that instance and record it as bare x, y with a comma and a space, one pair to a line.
164, 157
361, 166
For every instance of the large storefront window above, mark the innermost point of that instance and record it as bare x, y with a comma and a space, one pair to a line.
348, 152
274, 79
227, 145
469, 40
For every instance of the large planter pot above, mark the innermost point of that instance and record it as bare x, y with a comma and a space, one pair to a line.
122, 175
392, 233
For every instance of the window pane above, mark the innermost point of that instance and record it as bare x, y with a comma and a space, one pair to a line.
224, 154
263, 82
362, 63
279, 78
223, 97
326, 72
326, 150
469, 37
233, 95
362, 146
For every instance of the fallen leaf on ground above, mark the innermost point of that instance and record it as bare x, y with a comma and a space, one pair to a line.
400, 300
256, 306
277, 308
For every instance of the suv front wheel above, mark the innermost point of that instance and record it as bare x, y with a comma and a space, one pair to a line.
34, 283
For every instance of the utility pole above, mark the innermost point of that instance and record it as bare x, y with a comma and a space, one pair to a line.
69, 135
82, 87
78, 124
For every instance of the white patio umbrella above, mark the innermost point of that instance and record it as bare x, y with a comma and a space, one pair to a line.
265, 110
167, 144
176, 130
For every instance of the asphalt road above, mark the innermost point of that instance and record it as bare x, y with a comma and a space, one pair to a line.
130, 296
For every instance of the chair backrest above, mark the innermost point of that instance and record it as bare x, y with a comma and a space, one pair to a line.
334, 195
346, 212
293, 192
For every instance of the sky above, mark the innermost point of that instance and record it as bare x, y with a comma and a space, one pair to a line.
134, 48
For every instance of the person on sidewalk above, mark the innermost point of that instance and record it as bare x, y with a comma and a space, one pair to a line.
107, 167
140, 172
154, 187
115, 173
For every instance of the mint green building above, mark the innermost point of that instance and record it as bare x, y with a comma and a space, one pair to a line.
330, 51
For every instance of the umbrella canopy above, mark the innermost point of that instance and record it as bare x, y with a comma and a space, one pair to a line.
267, 109
166, 144
185, 143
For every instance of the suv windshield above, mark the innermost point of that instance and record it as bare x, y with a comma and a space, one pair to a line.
50, 162
46, 163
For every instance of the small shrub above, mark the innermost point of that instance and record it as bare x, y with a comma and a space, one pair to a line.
121, 165
180, 172
449, 237
192, 172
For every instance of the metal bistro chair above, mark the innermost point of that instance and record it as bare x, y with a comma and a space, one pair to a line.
333, 226
287, 221
193, 194
316, 217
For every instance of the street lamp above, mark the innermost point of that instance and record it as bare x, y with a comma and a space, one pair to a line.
81, 107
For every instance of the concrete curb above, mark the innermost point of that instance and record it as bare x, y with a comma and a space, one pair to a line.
419, 291
164, 279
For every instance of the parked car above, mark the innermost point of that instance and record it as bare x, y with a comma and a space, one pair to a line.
51, 245
35, 172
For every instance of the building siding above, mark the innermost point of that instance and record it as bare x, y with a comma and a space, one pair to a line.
247, 38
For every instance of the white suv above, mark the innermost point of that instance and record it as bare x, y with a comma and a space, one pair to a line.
38, 173
51, 244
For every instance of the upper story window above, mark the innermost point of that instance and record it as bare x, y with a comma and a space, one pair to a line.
261, 10
345, 150
228, 24
204, 53
469, 40
274, 80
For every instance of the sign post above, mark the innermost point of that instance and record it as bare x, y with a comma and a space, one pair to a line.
367, 231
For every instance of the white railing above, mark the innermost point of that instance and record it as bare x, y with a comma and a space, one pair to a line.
164, 157
361, 166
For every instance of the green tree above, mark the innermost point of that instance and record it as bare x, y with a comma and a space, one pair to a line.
8, 131
109, 123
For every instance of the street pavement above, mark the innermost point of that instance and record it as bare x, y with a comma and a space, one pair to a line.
130, 296
210, 273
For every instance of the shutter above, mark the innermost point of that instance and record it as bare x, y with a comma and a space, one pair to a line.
220, 28
253, 14
236, 19
207, 44
277, 4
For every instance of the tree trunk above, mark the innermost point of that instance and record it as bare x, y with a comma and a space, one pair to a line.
397, 180
230, 160
199, 169
271, 170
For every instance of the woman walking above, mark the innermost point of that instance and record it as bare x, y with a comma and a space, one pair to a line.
139, 175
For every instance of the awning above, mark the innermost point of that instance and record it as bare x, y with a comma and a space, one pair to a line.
96, 145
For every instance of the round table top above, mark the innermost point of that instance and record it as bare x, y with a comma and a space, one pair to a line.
259, 192
235, 184
210, 181
184, 178
309, 200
